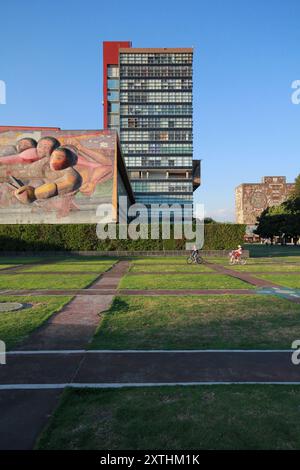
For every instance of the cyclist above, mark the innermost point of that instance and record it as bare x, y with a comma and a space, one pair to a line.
236, 254
195, 253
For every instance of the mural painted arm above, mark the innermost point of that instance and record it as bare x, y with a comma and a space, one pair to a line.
86, 156
69, 182
27, 156
100, 175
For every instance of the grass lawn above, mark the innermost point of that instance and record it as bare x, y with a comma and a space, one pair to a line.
15, 326
287, 280
20, 259
46, 281
78, 267
170, 268
4, 266
199, 322
161, 260
180, 418
270, 267
177, 281
87, 260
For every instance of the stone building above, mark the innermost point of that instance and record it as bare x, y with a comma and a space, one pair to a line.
252, 198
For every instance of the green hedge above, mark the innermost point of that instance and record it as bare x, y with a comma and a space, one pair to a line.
82, 237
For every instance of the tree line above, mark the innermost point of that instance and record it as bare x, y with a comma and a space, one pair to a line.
282, 221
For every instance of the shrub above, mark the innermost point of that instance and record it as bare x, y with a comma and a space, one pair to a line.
82, 237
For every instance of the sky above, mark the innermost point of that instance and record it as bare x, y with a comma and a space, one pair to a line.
246, 56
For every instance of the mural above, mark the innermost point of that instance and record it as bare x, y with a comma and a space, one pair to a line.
57, 178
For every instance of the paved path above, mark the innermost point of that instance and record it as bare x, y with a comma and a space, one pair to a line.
73, 327
24, 414
243, 276
59, 369
106, 291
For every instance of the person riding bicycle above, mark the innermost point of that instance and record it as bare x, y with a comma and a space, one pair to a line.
195, 252
236, 254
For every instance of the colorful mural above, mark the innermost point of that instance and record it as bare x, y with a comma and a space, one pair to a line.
57, 177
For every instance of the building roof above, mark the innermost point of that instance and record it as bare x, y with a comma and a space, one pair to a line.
159, 50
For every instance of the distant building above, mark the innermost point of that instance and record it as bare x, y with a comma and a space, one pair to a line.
147, 98
252, 198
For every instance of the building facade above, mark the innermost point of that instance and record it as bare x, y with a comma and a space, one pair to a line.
252, 198
148, 100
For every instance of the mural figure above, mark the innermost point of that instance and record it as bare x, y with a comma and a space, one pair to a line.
30, 151
59, 177
56, 173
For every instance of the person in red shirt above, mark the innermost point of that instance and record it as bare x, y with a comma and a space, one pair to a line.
236, 254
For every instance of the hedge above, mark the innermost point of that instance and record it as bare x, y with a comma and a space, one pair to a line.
83, 237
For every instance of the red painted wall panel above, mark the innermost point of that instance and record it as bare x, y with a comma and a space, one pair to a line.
110, 57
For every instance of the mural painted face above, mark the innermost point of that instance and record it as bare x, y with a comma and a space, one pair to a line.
59, 160
44, 148
25, 144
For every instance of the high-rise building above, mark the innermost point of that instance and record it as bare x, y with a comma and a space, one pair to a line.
148, 100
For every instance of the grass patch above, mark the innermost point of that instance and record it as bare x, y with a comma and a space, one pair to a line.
170, 268
177, 281
88, 260
161, 260
199, 322
46, 281
270, 267
4, 266
286, 280
203, 417
78, 267
20, 259
16, 326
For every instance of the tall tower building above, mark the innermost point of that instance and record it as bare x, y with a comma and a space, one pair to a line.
148, 100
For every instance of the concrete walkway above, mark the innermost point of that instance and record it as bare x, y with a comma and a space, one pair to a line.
59, 369
74, 326
243, 276
24, 414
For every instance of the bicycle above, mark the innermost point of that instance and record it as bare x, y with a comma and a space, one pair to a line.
194, 259
236, 260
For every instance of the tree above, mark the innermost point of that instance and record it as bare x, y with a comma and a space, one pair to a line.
296, 191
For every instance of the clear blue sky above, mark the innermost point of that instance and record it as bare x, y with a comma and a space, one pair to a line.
246, 57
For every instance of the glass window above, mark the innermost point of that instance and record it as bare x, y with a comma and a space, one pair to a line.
113, 71
112, 84
113, 96
113, 120
113, 107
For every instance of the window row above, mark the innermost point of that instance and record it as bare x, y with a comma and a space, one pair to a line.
155, 123
146, 136
159, 175
160, 84
161, 162
156, 58
158, 199
155, 72
157, 148
161, 186
154, 97
157, 109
